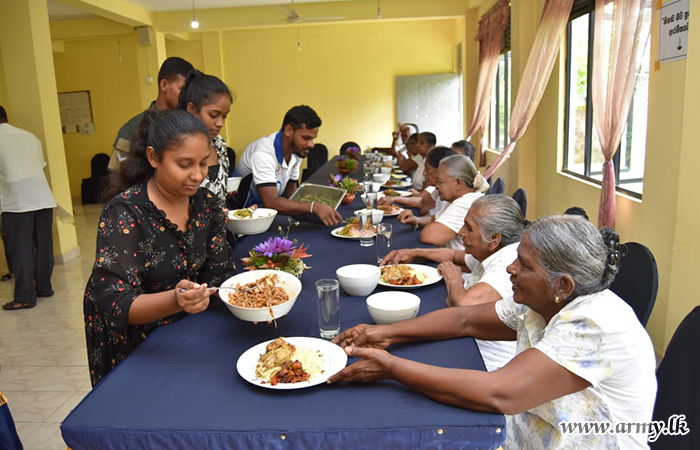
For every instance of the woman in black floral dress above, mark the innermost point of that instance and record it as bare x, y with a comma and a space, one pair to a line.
161, 235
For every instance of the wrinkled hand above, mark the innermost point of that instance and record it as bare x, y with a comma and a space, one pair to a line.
195, 299
414, 192
406, 216
374, 365
328, 215
363, 335
398, 256
395, 135
450, 272
386, 200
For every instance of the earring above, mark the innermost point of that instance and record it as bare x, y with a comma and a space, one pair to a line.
556, 300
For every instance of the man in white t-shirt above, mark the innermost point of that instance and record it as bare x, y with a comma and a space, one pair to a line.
273, 163
27, 206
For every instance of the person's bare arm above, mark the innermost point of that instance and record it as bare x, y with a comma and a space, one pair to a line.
437, 234
529, 380
457, 295
408, 166
147, 308
411, 254
290, 188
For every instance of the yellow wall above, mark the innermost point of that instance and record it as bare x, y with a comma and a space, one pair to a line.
94, 65
189, 50
345, 72
3, 87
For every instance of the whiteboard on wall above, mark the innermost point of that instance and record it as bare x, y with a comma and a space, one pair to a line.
434, 103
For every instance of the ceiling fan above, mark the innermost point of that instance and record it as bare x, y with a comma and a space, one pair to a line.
293, 17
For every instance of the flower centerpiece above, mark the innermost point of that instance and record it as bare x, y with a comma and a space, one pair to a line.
352, 152
279, 253
347, 183
346, 165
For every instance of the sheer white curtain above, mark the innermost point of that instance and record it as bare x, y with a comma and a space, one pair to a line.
538, 68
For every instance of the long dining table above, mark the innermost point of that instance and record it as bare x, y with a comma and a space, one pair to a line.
180, 388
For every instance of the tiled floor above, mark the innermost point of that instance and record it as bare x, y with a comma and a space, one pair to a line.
42, 350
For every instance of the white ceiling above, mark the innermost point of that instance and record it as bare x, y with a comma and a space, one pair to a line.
178, 5
59, 11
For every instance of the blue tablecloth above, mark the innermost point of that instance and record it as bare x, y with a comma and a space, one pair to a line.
180, 388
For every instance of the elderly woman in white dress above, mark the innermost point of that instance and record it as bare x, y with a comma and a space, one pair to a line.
582, 353
458, 184
490, 233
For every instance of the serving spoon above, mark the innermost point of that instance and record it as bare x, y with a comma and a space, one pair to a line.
235, 288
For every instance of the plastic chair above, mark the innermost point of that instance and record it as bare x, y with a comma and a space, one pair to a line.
637, 281
498, 187
678, 392
520, 196
318, 156
92, 187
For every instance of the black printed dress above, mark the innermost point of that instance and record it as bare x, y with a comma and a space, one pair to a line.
139, 251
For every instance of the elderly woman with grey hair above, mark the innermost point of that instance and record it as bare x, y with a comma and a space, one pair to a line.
490, 233
582, 354
459, 184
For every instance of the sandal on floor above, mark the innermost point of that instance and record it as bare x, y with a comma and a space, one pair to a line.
6, 277
13, 305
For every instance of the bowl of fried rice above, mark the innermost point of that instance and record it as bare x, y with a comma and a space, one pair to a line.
273, 295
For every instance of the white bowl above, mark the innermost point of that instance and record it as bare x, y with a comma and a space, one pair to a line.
393, 306
381, 177
288, 282
377, 215
358, 279
387, 159
386, 169
259, 223
233, 183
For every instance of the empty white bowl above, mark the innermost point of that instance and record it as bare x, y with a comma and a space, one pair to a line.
377, 215
393, 306
381, 177
386, 169
259, 223
387, 158
287, 281
233, 183
358, 279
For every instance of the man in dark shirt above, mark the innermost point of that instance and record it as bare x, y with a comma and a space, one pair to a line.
171, 79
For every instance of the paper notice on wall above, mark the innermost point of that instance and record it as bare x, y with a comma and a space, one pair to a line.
76, 112
673, 30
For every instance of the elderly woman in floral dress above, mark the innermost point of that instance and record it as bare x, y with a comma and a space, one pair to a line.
582, 353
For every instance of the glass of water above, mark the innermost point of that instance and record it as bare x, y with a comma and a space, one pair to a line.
328, 306
371, 200
366, 228
383, 240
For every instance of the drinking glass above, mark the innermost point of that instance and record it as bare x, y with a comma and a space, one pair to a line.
371, 200
366, 227
383, 240
368, 171
328, 306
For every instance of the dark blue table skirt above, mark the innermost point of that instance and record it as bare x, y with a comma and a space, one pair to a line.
180, 388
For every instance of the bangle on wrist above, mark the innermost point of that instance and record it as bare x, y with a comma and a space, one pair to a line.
311, 211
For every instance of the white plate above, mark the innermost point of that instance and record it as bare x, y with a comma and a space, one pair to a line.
336, 359
401, 194
399, 176
337, 230
393, 214
403, 184
431, 272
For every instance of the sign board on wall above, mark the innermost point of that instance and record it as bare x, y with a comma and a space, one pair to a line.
76, 112
673, 30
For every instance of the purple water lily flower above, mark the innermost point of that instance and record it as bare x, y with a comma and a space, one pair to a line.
275, 245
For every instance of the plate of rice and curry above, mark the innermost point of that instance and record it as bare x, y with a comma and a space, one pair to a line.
408, 276
291, 363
